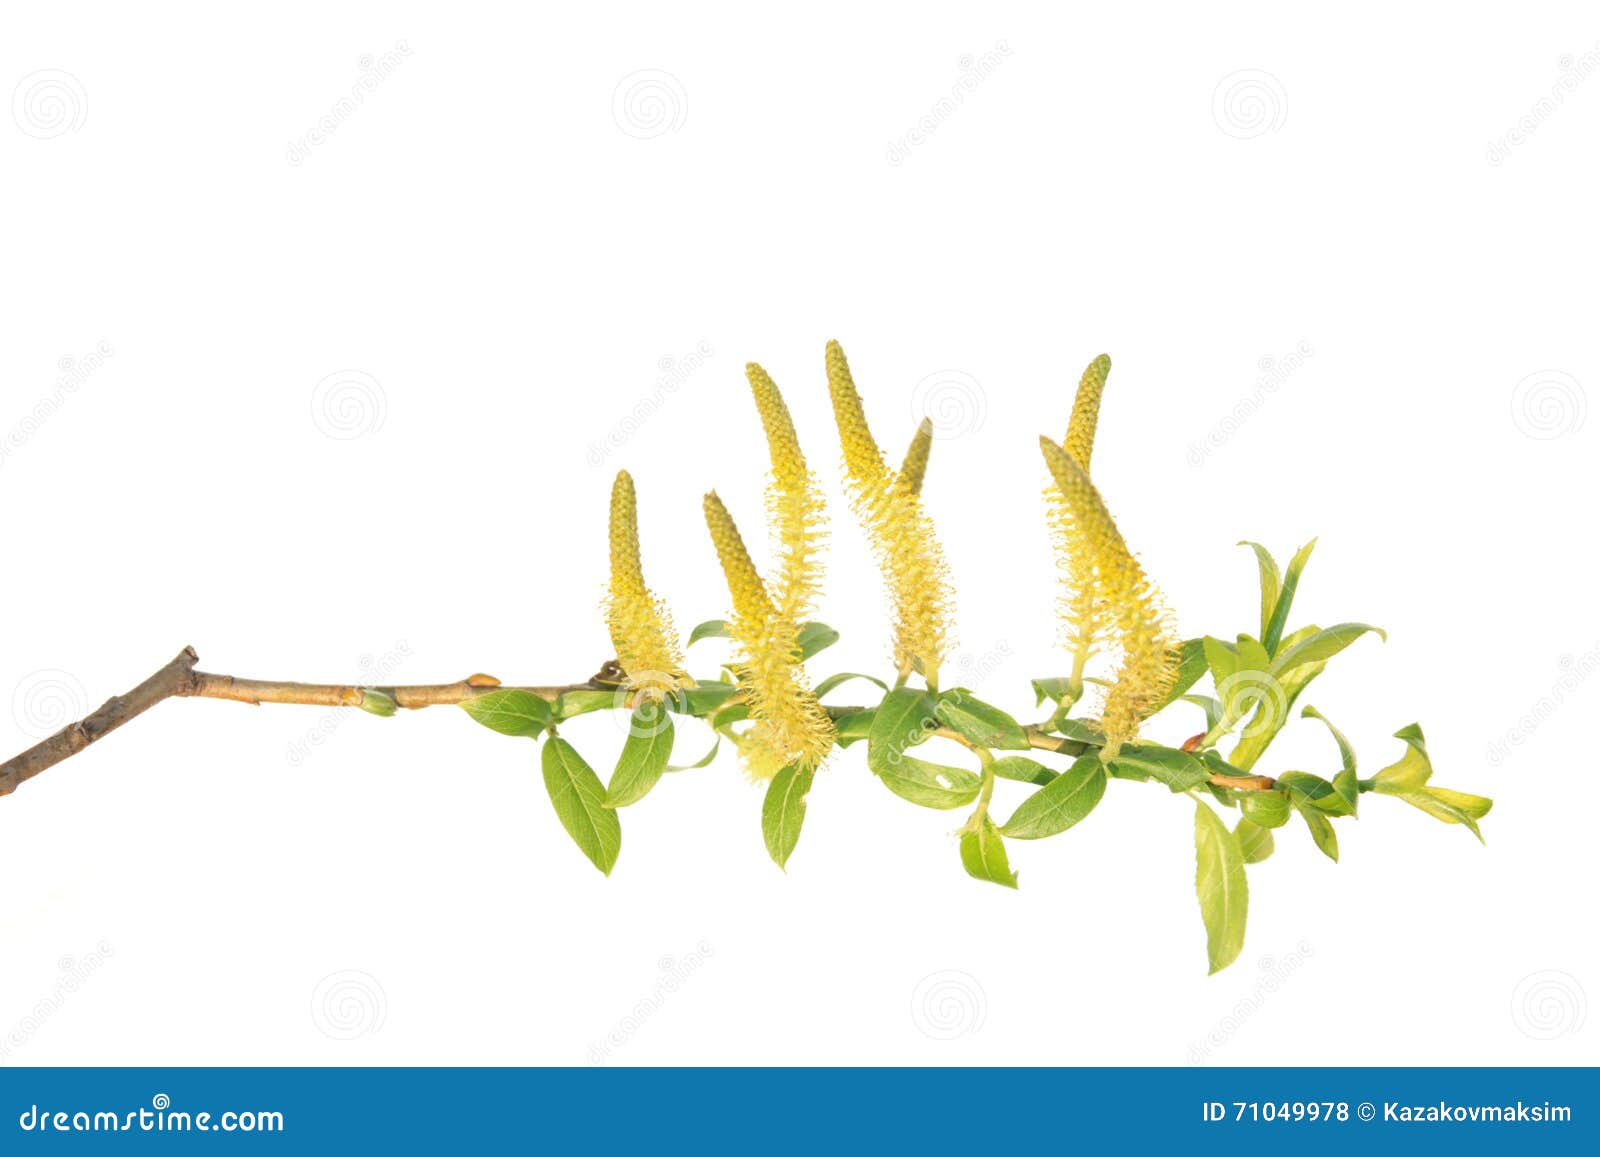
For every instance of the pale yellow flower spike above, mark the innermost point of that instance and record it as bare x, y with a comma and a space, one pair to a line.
915, 466
1086, 411
901, 532
1082, 612
641, 629
1147, 672
791, 725
794, 503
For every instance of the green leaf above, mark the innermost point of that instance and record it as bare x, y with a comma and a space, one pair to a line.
983, 854
1322, 646
982, 723
703, 761
843, 677
784, 810
1265, 809
1051, 688
644, 756
1271, 583
904, 719
1321, 826
1314, 791
1345, 783
1219, 881
701, 699
1407, 779
1022, 769
1255, 842
855, 727
1080, 732
1192, 665
1179, 770
579, 702
1252, 655
1280, 611
1059, 804
579, 799
710, 629
1222, 658
932, 785
1210, 706
816, 637
512, 712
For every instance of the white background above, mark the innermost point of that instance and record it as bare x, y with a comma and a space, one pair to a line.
500, 254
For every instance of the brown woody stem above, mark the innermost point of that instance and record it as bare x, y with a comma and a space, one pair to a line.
179, 679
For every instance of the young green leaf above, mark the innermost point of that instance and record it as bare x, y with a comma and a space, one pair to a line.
580, 702
1051, 688
377, 702
1022, 769
1222, 658
1192, 666
703, 761
843, 677
932, 785
1265, 809
513, 712
904, 719
1345, 783
1322, 646
1255, 842
710, 629
1314, 791
1059, 804
855, 727
1322, 833
1280, 610
1179, 770
579, 799
1271, 583
814, 637
983, 723
784, 811
1219, 881
983, 854
701, 699
644, 756
1408, 780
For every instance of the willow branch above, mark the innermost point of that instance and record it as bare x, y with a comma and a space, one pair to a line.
179, 679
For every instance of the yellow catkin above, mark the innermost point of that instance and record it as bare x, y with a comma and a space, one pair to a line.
641, 629
794, 504
791, 725
1147, 671
915, 466
900, 530
1082, 613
